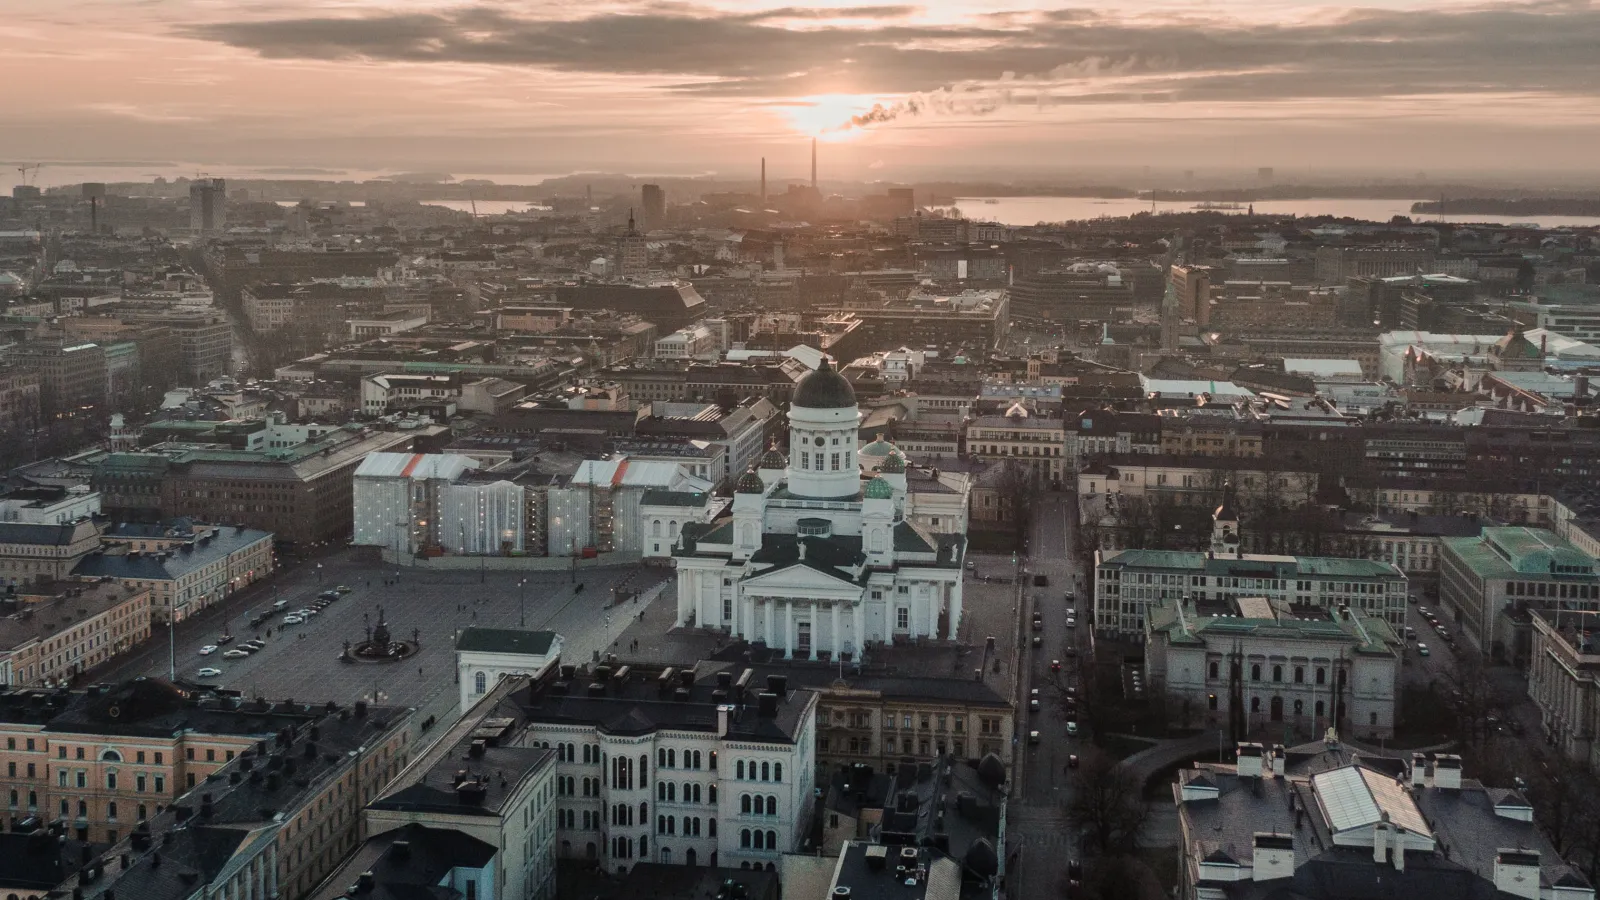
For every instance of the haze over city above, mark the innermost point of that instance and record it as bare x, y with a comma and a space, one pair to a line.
1391, 88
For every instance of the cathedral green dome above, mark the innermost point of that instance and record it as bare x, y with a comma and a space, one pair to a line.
893, 464
774, 459
878, 489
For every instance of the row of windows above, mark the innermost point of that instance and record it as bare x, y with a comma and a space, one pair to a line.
758, 805
667, 757
756, 839
751, 772
1214, 672
691, 826
668, 791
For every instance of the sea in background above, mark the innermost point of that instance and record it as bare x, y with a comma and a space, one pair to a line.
1032, 210
56, 175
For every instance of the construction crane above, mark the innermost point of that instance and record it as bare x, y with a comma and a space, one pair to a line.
24, 170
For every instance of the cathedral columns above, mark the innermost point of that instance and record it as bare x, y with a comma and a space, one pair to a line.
772, 621
861, 628
747, 627
838, 639
953, 604
788, 628
816, 630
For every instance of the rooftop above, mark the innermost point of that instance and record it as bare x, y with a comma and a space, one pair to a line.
206, 548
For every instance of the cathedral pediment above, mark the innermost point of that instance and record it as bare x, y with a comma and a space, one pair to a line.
799, 577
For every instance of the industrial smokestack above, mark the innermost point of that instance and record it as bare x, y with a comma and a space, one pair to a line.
813, 164
763, 181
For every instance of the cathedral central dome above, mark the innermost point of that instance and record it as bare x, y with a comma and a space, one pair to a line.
824, 389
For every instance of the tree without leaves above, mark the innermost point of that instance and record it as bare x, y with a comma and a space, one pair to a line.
1107, 804
1016, 491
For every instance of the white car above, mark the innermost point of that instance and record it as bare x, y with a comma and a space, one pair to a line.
1072, 728
208, 649
208, 672
235, 654
292, 619
306, 613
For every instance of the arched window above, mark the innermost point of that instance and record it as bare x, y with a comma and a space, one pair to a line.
644, 769
744, 838
1255, 672
480, 681
1299, 674
644, 846
738, 768
713, 759
1213, 671
777, 771
744, 804
110, 756
644, 812
772, 806
661, 757
672, 792
765, 771
711, 828
1255, 704
655, 528
1299, 707
1322, 675
711, 793
772, 840
672, 759
1320, 708
661, 790
661, 824
1277, 673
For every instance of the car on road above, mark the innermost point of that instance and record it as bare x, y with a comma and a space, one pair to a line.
306, 613
292, 619
1072, 727
1423, 612
342, 589
1033, 737
235, 654
208, 672
1072, 621
1072, 760
1033, 700
208, 649
281, 605
328, 595
253, 646
1038, 641
1038, 622
1055, 665
1070, 597
225, 639
1422, 649
972, 565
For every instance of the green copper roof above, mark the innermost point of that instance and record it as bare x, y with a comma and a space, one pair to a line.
878, 489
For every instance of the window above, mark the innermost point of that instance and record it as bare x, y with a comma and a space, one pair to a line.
1299, 675
902, 617
480, 682
158, 757
1322, 678
1255, 704
111, 781
777, 771
161, 784
211, 755
1277, 673
1213, 669
138, 782
1255, 672
111, 810
138, 757
83, 778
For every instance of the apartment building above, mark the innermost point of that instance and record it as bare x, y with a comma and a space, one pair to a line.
1489, 581
1035, 442
43, 552
52, 642
106, 759
1564, 680
185, 576
663, 764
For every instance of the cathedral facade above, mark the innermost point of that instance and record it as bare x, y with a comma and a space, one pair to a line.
819, 557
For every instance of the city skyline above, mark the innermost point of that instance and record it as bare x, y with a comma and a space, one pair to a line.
710, 86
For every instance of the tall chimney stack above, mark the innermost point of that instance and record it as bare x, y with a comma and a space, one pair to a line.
813, 164
763, 181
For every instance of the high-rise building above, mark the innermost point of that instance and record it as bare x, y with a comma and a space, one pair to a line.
903, 200
206, 205
655, 206
633, 254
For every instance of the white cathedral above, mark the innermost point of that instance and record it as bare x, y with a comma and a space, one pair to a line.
821, 556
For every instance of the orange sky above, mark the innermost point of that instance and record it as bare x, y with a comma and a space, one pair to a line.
969, 87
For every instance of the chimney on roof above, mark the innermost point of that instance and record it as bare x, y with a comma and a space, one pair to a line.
1447, 771
1419, 769
724, 713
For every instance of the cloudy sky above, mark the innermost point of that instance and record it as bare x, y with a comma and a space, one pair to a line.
975, 86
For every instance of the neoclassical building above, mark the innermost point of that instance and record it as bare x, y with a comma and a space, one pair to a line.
822, 554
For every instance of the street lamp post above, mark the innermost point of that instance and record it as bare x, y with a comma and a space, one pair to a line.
522, 603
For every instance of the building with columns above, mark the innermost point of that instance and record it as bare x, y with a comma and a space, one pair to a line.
818, 557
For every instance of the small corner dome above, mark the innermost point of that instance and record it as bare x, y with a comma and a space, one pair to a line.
878, 489
750, 483
774, 459
893, 464
824, 389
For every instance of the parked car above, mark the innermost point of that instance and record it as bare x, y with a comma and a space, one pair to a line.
1038, 622
328, 595
225, 639
306, 613
1055, 665
1033, 737
208, 649
292, 619
972, 565
342, 589
1072, 621
1072, 760
1038, 641
208, 672
1422, 649
235, 654
1072, 728
1033, 700
253, 645
281, 605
